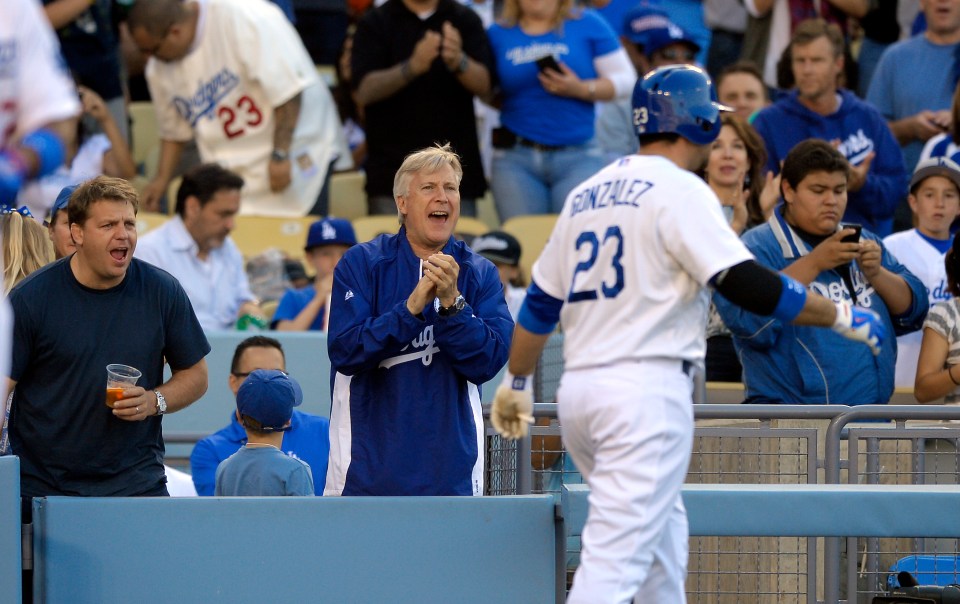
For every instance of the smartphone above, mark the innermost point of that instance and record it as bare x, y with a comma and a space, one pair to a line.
853, 238
547, 61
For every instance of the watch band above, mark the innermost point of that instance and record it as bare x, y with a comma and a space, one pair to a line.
449, 311
464, 63
161, 403
279, 155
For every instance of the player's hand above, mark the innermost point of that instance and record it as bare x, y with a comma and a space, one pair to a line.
424, 53
512, 411
152, 194
832, 252
279, 173
861, 325
870, 258
451, 47
443, 270
136, 405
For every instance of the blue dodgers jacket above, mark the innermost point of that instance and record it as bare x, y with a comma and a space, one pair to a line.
405, 414
860, 129
308, 439
784, 363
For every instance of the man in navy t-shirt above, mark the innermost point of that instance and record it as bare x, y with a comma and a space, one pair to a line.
74, 317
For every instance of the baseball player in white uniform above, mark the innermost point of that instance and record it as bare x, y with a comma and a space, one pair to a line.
235, 75
625, 272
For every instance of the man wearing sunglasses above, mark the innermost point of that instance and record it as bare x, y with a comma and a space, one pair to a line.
307, 438
651, 40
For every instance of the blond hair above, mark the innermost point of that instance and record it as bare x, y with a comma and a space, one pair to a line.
429, 159
511, 13
26, 247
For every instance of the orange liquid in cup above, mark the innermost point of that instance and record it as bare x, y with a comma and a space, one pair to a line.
113, 395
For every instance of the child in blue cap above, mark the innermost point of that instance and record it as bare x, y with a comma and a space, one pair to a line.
265, 403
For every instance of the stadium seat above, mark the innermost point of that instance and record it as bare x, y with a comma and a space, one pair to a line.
145, 137
469, 227
256, 234
532, 231
347, 196
147, 221
368, 227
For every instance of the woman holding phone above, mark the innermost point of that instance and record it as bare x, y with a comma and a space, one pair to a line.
553, 63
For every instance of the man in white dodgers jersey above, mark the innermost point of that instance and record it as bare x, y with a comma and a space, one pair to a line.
235, 75
38, 100
625, 271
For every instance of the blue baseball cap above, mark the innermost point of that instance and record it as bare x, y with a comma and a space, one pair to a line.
659, 38
62, 200
269, 396
639, 20
329, 231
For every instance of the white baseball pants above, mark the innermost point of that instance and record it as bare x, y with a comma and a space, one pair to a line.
629, 428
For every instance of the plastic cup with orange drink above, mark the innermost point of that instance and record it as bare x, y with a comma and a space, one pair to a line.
119, 378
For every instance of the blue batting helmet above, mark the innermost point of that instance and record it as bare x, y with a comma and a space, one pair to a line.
679, 99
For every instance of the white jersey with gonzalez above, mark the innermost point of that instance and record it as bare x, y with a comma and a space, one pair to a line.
645, 231
245, 60
35, 86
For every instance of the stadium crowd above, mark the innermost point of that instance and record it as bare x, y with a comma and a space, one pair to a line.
836, 165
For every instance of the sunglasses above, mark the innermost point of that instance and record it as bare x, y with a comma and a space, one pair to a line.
677, 54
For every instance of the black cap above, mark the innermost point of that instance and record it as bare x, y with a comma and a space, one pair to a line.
498, 246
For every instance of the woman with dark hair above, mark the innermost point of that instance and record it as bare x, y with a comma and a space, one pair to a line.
936, 375
734, 172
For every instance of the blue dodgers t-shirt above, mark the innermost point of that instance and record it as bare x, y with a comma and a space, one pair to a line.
259, 471
528, 109
64, 336
292, 303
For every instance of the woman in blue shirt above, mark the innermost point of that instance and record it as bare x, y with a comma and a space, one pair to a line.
545, 145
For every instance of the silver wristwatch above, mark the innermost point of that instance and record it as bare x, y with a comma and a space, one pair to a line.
161, 403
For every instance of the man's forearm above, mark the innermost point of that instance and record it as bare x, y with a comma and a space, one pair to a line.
475, 78
286, 116
525, 351
903, 130
170, 152
384, 83
185, 386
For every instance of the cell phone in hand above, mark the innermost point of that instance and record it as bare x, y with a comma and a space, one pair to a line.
853, 237
548, 61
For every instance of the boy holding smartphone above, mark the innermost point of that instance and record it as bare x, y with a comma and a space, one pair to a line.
935, 201
791, 364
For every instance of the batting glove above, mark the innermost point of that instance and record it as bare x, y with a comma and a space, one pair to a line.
861, 325
513, 406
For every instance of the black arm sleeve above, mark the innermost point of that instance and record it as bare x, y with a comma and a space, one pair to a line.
751, 286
